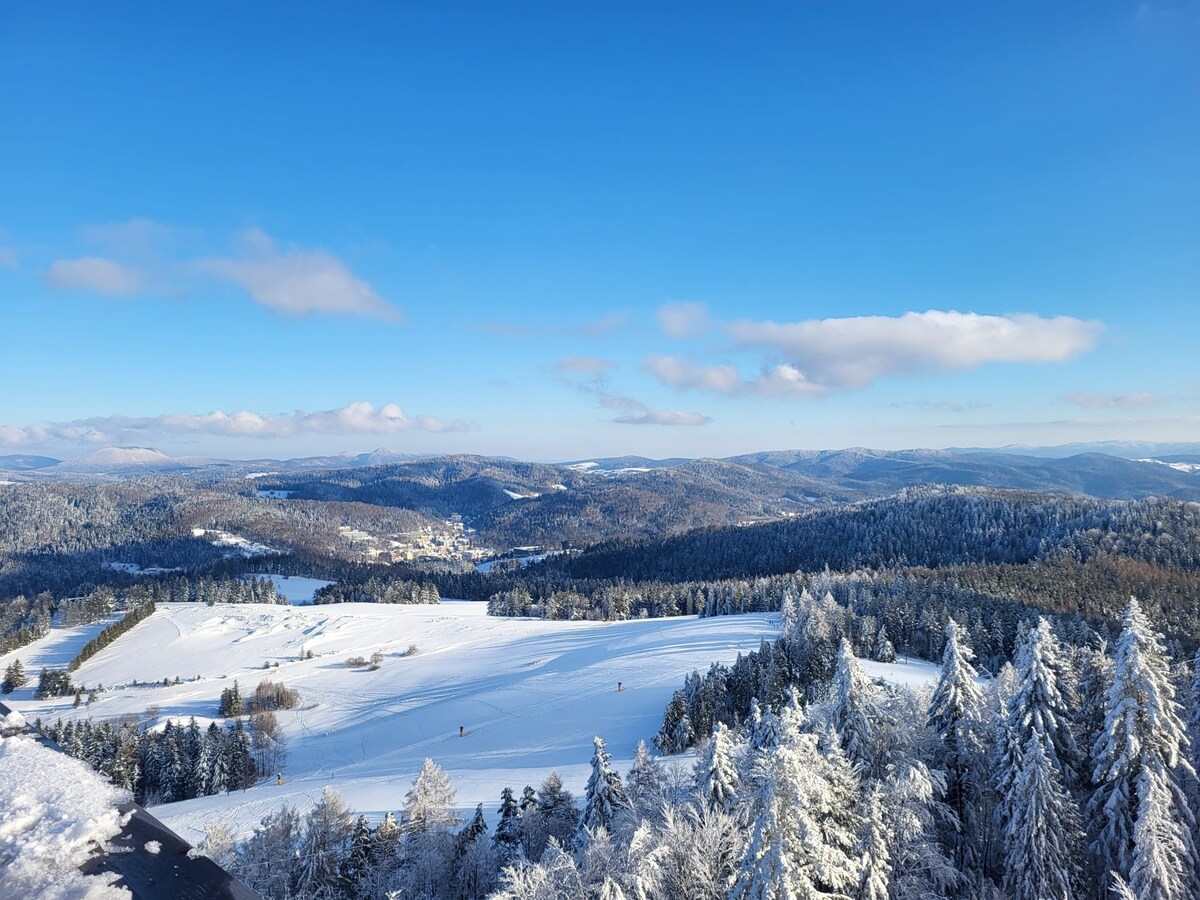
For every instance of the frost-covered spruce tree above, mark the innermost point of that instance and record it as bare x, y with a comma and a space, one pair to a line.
954, 717
805, 828
873, 850
325, 844
789, 614
1042, 705
645, 783
604, 797
268, 862
915, 817
853, 712
507, 839
1192, 707
883, 651
357, 864
762, 727
717, 780
1140, 767
1042, 836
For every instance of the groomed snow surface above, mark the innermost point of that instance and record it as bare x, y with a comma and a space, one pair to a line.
55, 812
529, 694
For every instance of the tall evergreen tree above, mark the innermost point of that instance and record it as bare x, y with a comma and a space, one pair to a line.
604, 797
1042, 705
14, 677
1140, 768
717, 779
1042, 837
874, 851
853, 711
954, 717
507, 839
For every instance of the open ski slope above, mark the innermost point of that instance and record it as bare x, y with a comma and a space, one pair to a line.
530, 694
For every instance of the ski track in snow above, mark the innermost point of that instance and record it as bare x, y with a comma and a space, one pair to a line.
530, 693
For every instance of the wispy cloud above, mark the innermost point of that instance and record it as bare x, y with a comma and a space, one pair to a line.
684, 320
612, 322
95, 275
940, 405
662, 417
817, 356
354, 418
584, 365
143, 257
631, 411
1112, 401
9, 258
296, 281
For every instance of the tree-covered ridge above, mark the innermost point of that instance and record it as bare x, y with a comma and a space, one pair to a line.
925, 527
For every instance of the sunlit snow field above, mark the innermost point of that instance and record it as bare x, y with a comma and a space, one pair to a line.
530, 694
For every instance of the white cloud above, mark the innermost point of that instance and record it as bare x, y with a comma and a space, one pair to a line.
95, 274
854, 352
584, 365
778, 381
679, 373
650, 417
296, 281
684, 320
354, 418
817, 356
8, 258
1111, 401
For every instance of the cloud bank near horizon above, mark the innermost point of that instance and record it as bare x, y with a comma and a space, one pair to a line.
352, 419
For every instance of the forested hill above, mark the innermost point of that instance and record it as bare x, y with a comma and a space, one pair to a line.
931, 528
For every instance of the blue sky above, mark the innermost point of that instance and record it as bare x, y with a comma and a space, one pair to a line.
563, 230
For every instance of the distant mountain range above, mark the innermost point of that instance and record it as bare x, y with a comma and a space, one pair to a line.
515, 503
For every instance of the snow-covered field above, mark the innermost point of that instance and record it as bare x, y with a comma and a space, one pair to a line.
529, 693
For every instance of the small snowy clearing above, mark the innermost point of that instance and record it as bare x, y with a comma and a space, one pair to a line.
298, 591
274, 495
135, 569
237, 544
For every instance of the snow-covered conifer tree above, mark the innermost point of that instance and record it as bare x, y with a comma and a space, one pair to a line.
507, 839
604, 797
645, 782
873, 850
1140, 769
717, 779
954, 717
853, 711
1042, 836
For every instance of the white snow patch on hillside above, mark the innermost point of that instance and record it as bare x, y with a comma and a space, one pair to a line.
237, 544
54, 813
